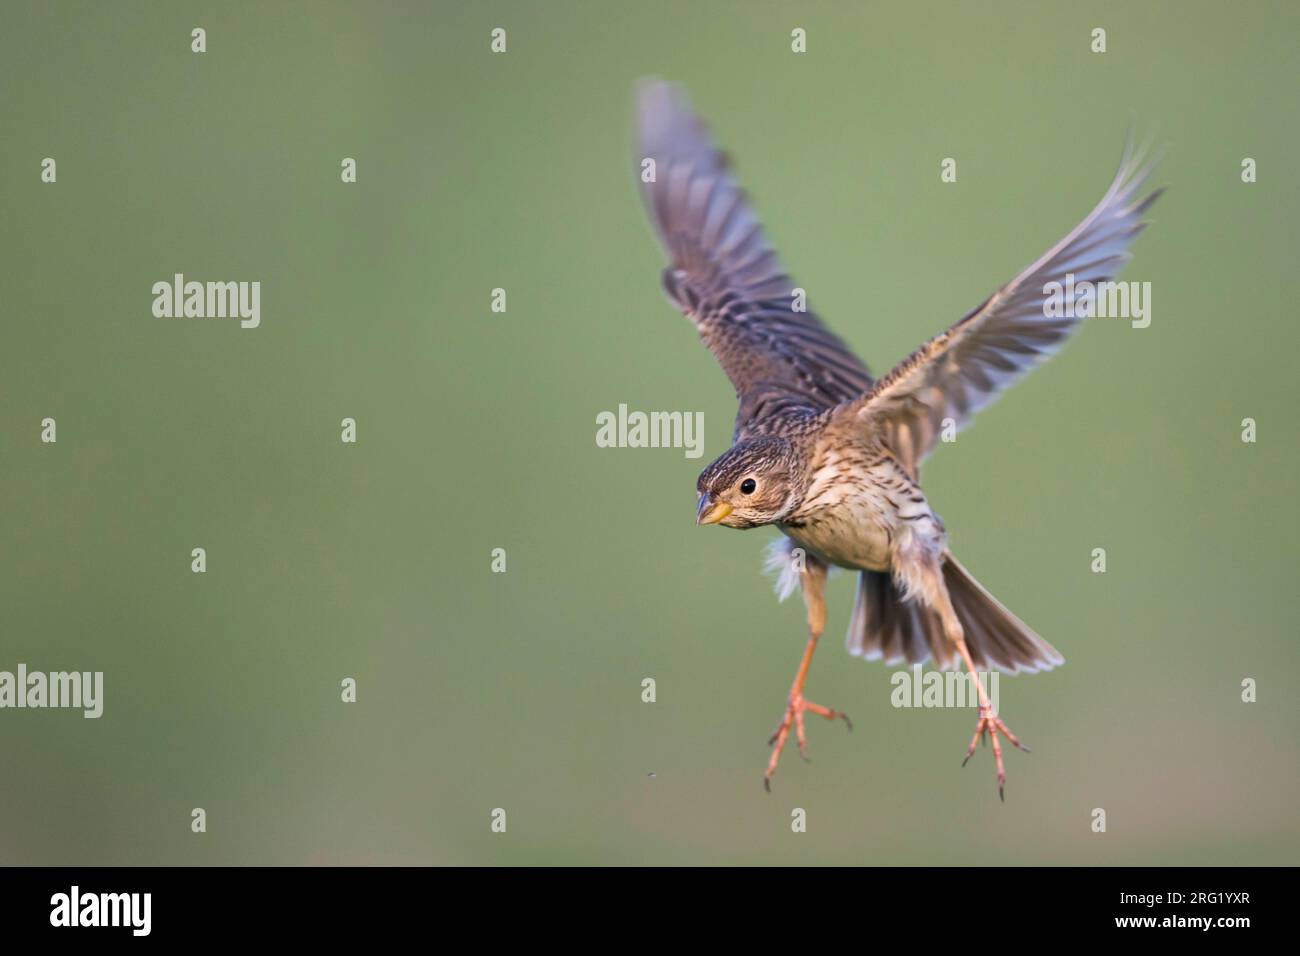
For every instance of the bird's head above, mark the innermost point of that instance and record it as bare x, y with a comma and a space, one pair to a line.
752, 484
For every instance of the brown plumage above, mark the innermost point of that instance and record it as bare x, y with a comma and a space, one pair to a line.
832, 457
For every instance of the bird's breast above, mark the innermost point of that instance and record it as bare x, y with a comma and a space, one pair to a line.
857, 508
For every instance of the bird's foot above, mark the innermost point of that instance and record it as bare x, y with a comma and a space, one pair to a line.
794, 711
991, 725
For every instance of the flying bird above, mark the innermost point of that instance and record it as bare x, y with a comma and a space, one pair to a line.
830, 455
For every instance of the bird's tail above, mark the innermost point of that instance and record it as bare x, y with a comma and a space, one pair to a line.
887, 627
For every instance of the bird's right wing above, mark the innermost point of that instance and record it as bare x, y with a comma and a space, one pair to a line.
725, 276
963, 369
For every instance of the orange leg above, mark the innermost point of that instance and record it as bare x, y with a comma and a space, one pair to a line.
989, 723
814, 579
928, 579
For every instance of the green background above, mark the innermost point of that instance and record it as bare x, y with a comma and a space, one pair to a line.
477, 431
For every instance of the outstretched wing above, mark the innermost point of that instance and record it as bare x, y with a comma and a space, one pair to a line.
726, 277
961, 370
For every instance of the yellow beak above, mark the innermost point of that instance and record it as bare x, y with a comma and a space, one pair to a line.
710, 511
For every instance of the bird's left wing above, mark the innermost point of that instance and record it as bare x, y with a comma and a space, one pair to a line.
963, 369
725, 276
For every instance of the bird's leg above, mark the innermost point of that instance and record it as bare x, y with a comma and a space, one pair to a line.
989, 723
814, 581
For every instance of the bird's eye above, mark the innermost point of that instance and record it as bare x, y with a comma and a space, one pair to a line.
747, 486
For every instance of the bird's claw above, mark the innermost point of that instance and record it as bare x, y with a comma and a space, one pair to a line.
986, 731
794, 717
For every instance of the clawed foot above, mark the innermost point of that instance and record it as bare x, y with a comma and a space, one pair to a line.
991, 725
794, 717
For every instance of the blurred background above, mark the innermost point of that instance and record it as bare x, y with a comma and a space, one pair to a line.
476, 431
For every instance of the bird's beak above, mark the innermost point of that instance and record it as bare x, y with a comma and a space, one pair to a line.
710, 511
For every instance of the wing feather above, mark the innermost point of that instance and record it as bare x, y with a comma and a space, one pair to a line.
961, 370
727, 278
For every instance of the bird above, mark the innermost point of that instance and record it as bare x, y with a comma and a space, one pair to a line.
831, 456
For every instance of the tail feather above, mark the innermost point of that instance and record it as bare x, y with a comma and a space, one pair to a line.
886, 627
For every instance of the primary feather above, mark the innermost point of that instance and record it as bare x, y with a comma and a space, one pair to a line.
726, 277
961, 370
